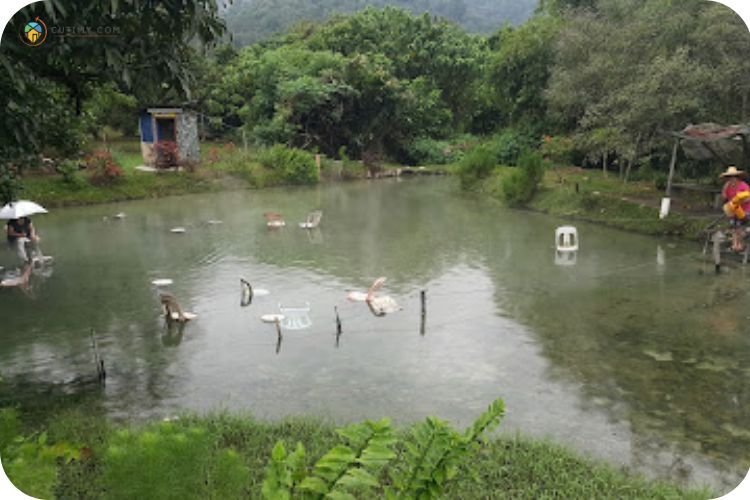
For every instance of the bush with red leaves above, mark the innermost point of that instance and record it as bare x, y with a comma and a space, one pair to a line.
104, 170
166, 154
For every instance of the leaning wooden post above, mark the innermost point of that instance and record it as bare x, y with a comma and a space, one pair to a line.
338, 325
338, 320
671, 167
278, 335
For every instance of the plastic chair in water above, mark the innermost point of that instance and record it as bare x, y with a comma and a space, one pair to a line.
312, 220
566, 239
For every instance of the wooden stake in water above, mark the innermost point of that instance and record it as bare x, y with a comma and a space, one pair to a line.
101, 373
247, 293
278, 335
423, 300
338, 325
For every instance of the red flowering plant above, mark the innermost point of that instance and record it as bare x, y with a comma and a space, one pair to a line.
104, 170
166, 154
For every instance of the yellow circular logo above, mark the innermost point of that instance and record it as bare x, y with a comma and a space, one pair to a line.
34, 33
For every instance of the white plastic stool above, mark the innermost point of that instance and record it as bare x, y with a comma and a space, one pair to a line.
566, 239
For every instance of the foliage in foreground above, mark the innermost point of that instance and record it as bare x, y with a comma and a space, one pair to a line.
236, 449
425, 462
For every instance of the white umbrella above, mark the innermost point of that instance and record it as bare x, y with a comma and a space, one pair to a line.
21, 208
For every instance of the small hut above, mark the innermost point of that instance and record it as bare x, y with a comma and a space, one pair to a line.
169, 137
727, 144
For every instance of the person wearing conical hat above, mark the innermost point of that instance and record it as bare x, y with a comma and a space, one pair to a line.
736, 192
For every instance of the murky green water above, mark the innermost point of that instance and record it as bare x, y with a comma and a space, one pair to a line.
638, 360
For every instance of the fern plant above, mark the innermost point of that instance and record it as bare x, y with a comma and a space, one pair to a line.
432, 454
349, 468
427, 461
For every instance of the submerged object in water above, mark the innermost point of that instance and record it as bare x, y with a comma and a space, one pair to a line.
312, 220
247, 293
274, 219
272, 318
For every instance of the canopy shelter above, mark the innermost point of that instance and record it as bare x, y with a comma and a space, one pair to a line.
730, 145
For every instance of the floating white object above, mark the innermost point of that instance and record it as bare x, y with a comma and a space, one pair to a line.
162, 282
566, 239
187, 315
357, 296
296, 318
275, 223
272, 318
43, 259
120, 215
565, 258
664, 209
177, 230
384, 305
312, 221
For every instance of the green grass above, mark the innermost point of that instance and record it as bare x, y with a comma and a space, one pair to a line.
603, 199
222, 454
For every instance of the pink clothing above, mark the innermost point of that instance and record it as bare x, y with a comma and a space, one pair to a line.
730, 192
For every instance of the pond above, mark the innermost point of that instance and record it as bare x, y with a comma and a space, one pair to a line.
629, 354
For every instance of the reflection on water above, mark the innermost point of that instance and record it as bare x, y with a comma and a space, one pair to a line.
639, 361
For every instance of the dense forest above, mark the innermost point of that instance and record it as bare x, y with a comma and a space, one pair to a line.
250, 21
585, 79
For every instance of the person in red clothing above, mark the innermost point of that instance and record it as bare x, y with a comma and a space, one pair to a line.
736, 192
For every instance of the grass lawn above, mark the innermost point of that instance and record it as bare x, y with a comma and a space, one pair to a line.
593, 196
219, 455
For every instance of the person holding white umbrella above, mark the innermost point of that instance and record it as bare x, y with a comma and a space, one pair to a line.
19, 229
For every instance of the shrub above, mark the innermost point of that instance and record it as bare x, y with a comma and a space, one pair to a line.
660, 181
292, 166
521, 186
10, 186
559, 150
70, 174
166, 154
29, 461
425, 151
508, 145
104, 170
476, 165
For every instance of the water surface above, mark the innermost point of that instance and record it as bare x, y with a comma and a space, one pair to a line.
631, 355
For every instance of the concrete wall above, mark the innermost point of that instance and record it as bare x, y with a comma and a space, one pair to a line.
187, 137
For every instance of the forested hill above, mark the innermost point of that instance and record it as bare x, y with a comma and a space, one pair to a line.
250, 21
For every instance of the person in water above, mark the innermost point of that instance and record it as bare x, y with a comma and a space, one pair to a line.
22, 237
736, 192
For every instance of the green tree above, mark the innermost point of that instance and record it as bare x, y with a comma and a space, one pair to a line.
519, 71
642, 68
